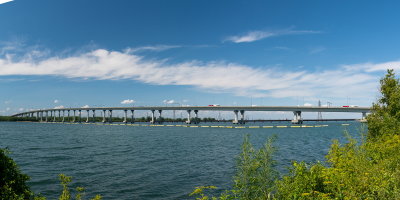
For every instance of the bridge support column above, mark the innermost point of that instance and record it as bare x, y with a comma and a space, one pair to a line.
87, 116
235, 121
188, 121
132, 116
94, 116
68, 116
47, 115
80, 116
297, 118
242, 117
363, 117
63, 118
160, 119
153, 118
41, 116
104, 116
196, 117
110, 120
125, 117
74, 117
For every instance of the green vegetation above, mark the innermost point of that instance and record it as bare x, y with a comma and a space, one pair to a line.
13, 119
13, 184
366, 169
12, 181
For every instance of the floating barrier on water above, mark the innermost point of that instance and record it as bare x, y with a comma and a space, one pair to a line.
345, 124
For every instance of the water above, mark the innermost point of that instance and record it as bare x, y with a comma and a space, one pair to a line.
127, 162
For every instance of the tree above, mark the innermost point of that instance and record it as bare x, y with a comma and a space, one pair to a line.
12, 181
385, 117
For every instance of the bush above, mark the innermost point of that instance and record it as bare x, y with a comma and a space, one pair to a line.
12, 180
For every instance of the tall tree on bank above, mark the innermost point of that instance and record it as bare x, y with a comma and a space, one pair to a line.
385, 117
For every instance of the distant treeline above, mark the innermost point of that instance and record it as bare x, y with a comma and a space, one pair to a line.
114, 119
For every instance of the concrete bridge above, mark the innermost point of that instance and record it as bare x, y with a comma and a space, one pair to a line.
44, 115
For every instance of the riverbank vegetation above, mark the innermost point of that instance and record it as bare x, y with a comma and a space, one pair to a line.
359, 169
13, 184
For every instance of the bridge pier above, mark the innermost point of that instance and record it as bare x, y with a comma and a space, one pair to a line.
74, 117
110, 120
196, 117
242, 117
68, 116
132, 117
94, 116
104, 116
125, 117
41, 116
160, 119
63, 118
80, 116
235, 121
153, 118
188, 121
297, 118
87, 116
363, 117
47, 115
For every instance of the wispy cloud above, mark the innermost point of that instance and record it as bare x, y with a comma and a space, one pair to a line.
152, 48
358, 81
5, 1
128, 101
252, 36
316, 50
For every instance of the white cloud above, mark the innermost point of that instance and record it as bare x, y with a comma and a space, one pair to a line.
85, 106
374, 67
5, 1
357, 81
169, 101
152, 48
59, 107
56, 101
8, 109
259, 35
307, 104
21, 109
128, 101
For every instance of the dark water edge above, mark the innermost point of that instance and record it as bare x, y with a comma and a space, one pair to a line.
125, 162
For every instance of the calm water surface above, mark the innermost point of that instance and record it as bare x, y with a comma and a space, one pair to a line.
127, 162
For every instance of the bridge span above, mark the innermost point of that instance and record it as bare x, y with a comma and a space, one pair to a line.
44, 114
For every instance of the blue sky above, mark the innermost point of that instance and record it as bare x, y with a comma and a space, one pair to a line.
99, 52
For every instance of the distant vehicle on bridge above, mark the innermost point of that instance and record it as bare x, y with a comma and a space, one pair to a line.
214, 105
350, 106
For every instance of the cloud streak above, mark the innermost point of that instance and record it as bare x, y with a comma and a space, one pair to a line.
5, 1
128, 101
349, 80
252, 36
156, 48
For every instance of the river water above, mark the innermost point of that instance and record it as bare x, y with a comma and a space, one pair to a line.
142, 162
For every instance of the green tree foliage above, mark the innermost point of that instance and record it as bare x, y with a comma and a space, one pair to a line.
385, 118
367, 169
66, 192
12, 181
